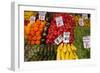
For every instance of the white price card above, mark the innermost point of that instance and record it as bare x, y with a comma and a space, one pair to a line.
66, 36
85, 16
86, 41
58, 40
81, 22
42, 15
32, 19
59, 21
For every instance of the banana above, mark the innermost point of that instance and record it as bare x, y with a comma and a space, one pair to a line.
60, 46
65, 48
73, 47
58, 56
59, 51
68, 45
75, 55
71, 56
74, 51
66, 52
62, 55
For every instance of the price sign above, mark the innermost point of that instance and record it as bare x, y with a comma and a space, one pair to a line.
42, 15
66, 36
85, 16
58, 40
32, 19
81, 23
86, 41
59, 21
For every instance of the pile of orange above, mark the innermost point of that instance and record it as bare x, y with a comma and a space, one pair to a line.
33, 31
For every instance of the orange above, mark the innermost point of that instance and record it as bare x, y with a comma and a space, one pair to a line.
26, 30
29, 37
32, 42
34, 38
29, 42
40, 29
32, 33
38, 33
37, 42
38, 22
38, 37
29, 25
35, 28
42, 25
32, 29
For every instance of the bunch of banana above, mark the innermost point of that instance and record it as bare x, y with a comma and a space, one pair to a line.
66, 52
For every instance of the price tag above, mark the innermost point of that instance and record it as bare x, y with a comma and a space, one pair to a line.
59, 21
66, 36
85, 16
81, 23
86, 41
42, 15
32, 19
58, 40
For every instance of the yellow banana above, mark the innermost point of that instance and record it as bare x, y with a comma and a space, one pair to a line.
59, 51
65, 48
62, 55
74, 51
71, 56
58, 55
73, 47
67, 53
75, 55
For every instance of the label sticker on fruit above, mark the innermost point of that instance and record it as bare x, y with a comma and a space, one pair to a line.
86, 41
81, 23
32, 19
42, 15
58, 40
66, 36
59, 21
85, 16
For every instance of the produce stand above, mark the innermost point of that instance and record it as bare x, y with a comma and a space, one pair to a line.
44, 33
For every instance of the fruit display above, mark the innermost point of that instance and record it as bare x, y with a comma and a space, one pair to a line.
56, 36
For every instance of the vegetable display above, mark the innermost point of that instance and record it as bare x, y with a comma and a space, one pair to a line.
56, 36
